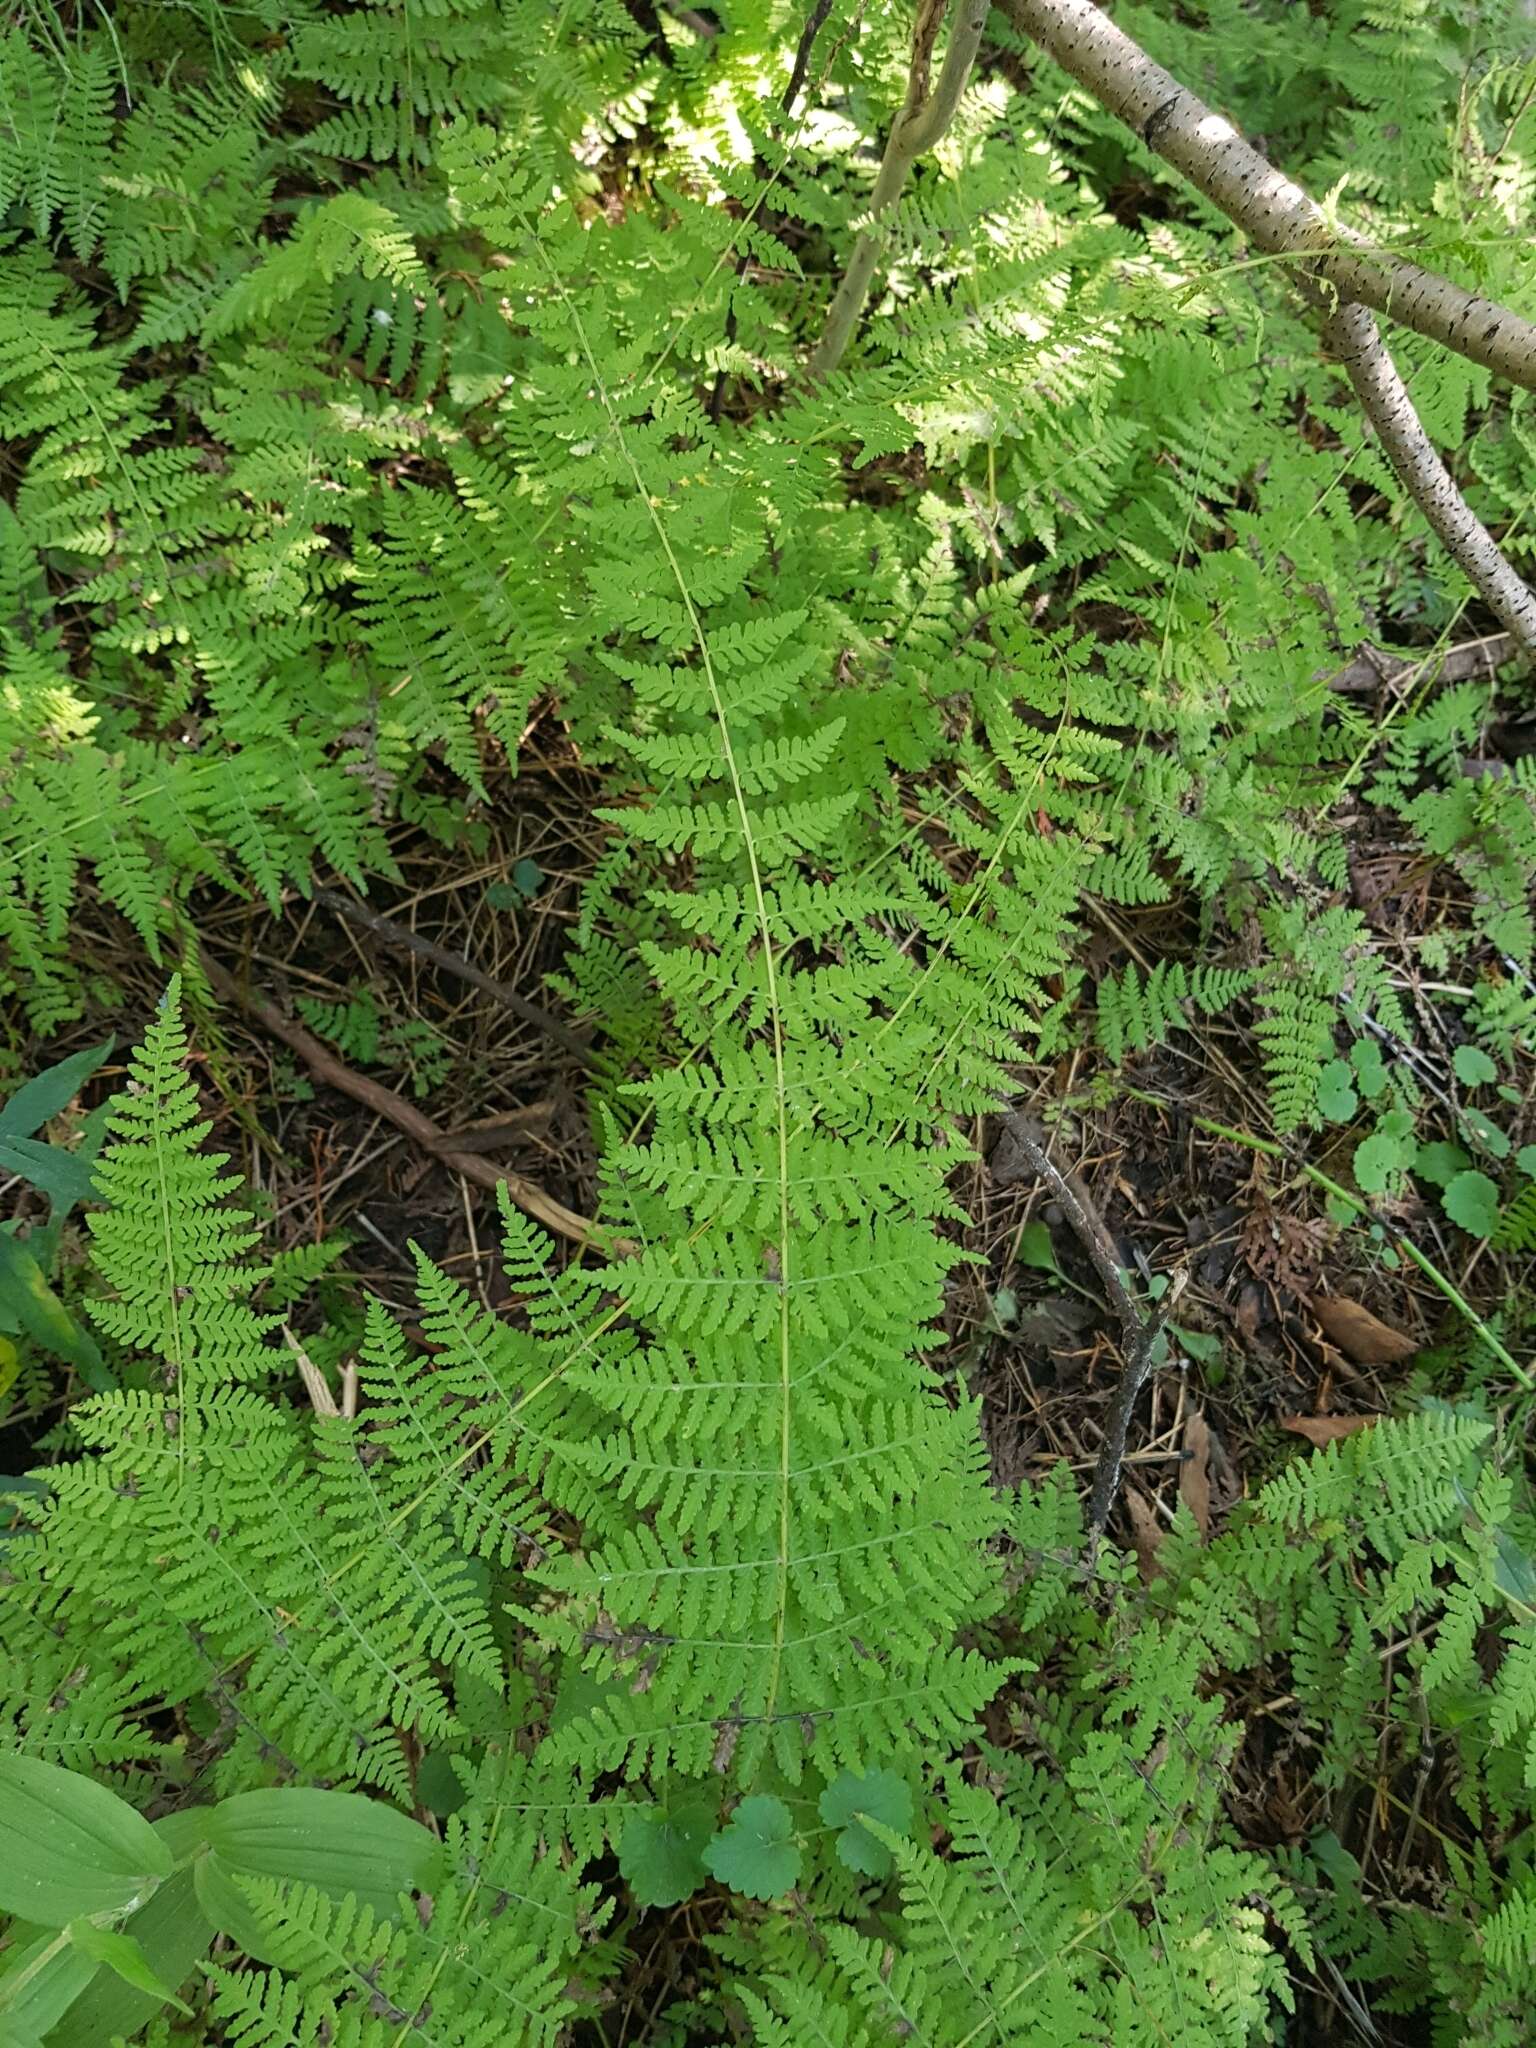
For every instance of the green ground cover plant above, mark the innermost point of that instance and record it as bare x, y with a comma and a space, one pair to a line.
386, 385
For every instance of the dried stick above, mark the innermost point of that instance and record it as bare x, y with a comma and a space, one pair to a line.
1276, 214
1375, 668
814, 22
1350, 334
1133, 1377
923, 119
321, 1399
1020, 1150
383, 1101
406, 941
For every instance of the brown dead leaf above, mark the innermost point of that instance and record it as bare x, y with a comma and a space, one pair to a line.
1361, 1335
1249, 1304
1195, 1473
1322, 1430
1146, 1534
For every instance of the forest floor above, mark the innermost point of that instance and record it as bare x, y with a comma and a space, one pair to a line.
1292, 1322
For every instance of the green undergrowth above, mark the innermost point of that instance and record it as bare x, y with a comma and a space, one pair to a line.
380, 378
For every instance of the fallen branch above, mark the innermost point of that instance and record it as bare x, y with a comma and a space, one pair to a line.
1020, 1150
333, 1073
1350, 334
1133, 1377
406, 941
1276, 214
1374, 668
922, 121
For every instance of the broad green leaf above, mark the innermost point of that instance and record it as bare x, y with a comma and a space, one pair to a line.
527, 878
1201, 1346
1486, 1133
849, 1800
52, 1091
120, 1953
1440, 1162
1336, 1097
62, 1176
172, 1934
1473, 1067
40, 1985
24, 1290
340, 1842
661, 1851
1472, 1200
757, 1855
1035, 1247
438, 1785
1370, 1070
1525, 1159
1386, 1153
225, 1907
186, 1832
69, 1847
10, 1366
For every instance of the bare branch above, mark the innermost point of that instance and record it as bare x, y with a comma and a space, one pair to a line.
1020, 1150
1276, 214
922, 121
384, 1102
1350, 334
1378, 668
1117, 1426
405, 941
802, 63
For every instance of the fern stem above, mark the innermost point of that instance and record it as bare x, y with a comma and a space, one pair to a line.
923, 119
1274, 212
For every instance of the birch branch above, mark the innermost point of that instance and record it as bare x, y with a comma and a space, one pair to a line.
1276, 215
1350, 334
922, 121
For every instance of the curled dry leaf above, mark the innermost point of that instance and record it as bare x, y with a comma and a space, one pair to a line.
1322, 1430
1359, 1334
1195, 1473
1146, 1533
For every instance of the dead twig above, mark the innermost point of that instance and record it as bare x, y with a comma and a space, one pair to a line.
334, 1073
1338, 272
1133, 1377
1376, 668
406, 941
321, 1399
802, 64
493, 1132
1021, 1150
